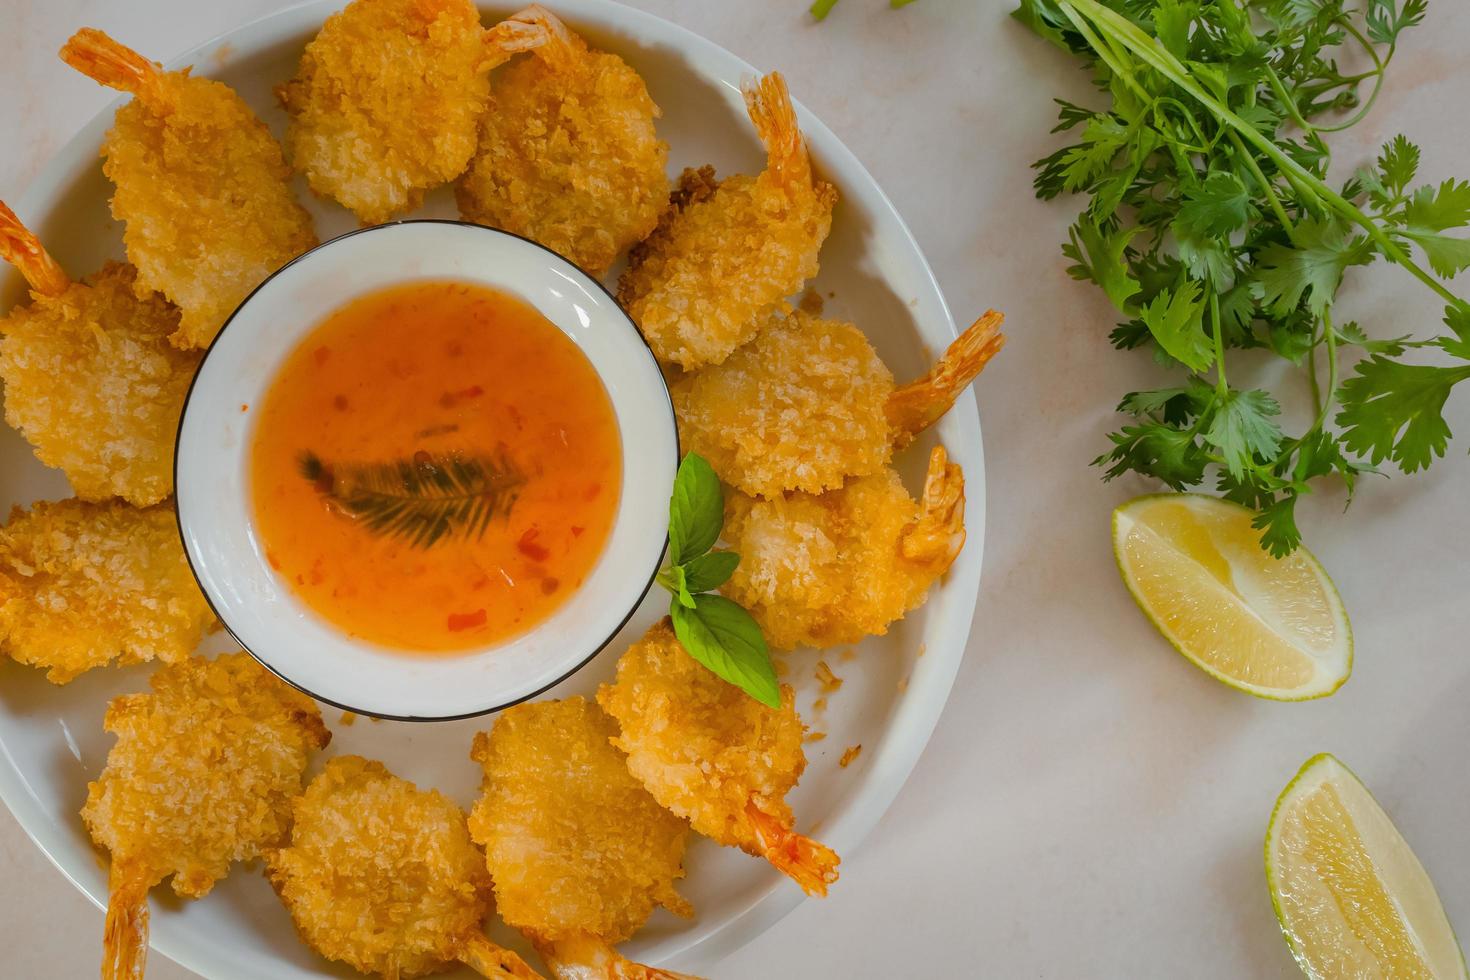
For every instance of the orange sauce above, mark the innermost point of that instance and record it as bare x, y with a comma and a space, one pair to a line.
425, 377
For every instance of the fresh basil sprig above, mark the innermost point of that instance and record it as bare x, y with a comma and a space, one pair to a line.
716, 631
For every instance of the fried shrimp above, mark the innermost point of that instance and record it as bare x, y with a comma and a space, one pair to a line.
201, 185
567, 152
833, 568
711, 753
382, 875
90, 377
808, 404
579, 852
385, 102
728, 253
202, 775
85, 584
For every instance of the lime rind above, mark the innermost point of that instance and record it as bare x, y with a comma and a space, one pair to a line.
1265, 693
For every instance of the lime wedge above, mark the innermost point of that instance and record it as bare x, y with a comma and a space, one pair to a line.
1352, 899
1270, 627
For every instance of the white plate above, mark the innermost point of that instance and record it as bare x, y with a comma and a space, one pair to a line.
51, 738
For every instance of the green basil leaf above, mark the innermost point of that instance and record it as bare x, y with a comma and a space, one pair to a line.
696, 510
722, 636
680, 586
708, 572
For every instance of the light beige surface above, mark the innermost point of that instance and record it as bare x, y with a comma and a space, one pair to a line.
1090, 805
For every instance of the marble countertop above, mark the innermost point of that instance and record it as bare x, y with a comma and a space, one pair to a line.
1090, 804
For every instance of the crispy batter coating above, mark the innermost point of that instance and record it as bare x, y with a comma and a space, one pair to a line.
575, 845
709, 752
384, 104
808, 404
204, 770
800, 408
728, 253
567, 153
201, 184
83, 584
93, 383
382, 875
833, 568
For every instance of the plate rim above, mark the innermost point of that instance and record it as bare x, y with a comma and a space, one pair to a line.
916, 715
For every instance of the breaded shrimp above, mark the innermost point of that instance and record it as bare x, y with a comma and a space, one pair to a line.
201, 184
567, 152
386, 99
808, 404
382, 875
833, 568
202, 775
579, 852
90, 377
84, 584
728, 253
711, 753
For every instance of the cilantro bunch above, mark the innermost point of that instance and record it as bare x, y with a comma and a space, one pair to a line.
1211, 227
716, 631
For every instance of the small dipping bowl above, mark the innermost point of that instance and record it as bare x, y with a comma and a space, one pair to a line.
213, 477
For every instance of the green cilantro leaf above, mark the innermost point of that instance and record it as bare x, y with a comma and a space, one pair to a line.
1438, 209
1244, 428
722, 636
1284, 274
1448, 256
1217, 206
1098, 256
1176, 320
696, 510
1396, 411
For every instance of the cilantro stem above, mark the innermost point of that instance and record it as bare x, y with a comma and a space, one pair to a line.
1331, 334
1270, 192
1221, 387
1142, 47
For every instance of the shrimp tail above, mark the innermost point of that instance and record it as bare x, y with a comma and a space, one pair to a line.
936, 538
919, 404
810, 864
490, 960
769, 104
585, 957
22, 249
125, 935
109, 63
538, 28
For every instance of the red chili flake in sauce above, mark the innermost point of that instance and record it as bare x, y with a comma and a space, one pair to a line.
459, 622
549, 585
577, 530
592, 492
527, 546
340, 403
321, 354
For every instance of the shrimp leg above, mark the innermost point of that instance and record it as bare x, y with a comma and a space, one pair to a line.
490, 960
936, 538
125, 936
810, 864
21, 249
919, 404
585, 957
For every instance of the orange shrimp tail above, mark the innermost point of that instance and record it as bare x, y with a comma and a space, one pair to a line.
810, 864
769, 104
537, 27
125, 935
939, 534
919, 404
21, 249
585, 957
104, 60
490, 960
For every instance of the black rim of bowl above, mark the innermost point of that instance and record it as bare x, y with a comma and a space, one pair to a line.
189, 397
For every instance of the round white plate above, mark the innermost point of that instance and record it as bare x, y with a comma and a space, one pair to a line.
51, 738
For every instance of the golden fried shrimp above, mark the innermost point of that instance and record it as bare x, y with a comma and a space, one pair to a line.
201, 185
833, 568
91, 379
808, 404
385, 102
579, 852
728, 253
202, 775
84, 584
714, 755
383, 876
567, 151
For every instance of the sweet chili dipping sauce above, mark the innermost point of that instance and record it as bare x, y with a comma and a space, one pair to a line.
435, 467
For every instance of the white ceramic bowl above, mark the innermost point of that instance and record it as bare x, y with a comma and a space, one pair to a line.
212, 474
895, 686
